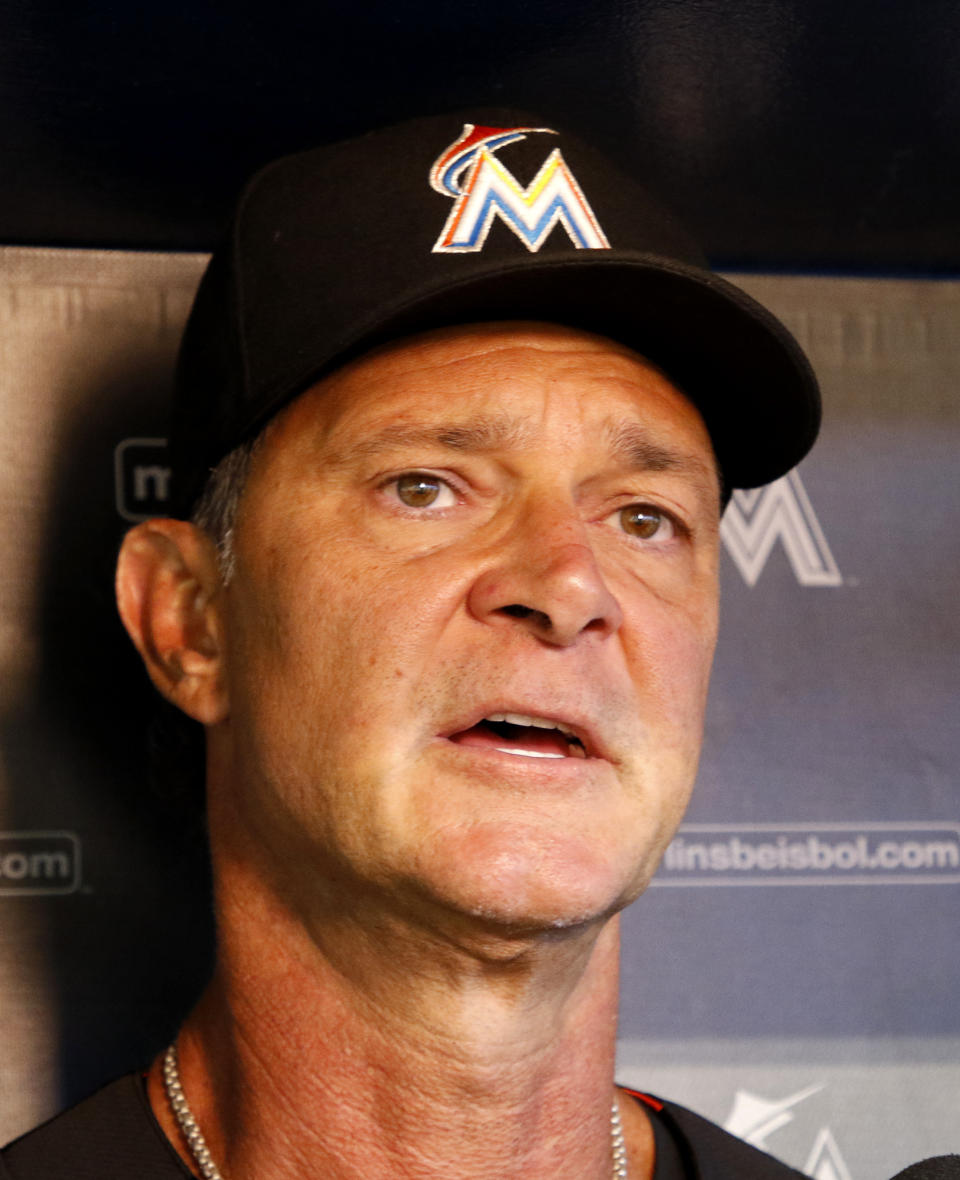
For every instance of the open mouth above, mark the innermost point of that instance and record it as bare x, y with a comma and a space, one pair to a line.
524, 736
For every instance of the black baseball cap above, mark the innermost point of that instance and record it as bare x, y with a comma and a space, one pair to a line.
465, 218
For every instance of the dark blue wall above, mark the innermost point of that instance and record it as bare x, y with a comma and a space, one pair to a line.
798, 134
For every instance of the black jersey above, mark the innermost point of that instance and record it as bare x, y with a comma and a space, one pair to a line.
114, 1136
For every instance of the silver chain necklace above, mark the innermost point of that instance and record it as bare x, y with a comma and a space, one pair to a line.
208, 1169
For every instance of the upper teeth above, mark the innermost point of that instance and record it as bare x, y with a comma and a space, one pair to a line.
537, 722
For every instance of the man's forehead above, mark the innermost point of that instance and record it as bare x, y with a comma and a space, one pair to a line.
481, 361
432, 390
460, 343
464, 340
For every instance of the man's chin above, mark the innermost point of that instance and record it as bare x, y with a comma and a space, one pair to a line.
517, 891
508, 935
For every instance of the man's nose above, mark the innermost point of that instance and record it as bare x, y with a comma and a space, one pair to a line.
549, 583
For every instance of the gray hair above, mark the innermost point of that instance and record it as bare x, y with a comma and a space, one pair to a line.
216, 508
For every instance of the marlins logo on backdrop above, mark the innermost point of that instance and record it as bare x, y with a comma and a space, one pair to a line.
757, 517
753, 1118
482, 188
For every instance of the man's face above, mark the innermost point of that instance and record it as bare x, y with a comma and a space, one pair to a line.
470, 629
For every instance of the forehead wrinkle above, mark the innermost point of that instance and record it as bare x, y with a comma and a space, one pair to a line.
475, 435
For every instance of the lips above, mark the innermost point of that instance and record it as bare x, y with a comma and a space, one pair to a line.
523, 735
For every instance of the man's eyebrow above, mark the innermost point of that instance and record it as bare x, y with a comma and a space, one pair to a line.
478, 435
632, 446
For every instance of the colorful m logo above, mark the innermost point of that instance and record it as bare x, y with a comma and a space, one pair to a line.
484, 189
757, 518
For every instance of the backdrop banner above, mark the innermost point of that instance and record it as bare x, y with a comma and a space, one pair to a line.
792, 970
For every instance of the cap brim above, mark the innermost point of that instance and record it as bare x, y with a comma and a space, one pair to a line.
735, 361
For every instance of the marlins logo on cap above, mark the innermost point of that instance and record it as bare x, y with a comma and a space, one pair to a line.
490, 190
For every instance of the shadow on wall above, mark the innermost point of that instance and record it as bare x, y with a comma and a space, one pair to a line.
130, 949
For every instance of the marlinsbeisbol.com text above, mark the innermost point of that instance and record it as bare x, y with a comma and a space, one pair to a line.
799, 855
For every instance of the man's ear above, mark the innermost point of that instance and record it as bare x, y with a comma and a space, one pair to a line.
168, 585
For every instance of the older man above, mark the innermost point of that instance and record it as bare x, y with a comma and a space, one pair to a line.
446, 609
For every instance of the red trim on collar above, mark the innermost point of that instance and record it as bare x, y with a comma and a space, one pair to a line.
652, 1102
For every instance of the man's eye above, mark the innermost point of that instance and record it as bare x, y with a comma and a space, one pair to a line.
646, 522
418, 490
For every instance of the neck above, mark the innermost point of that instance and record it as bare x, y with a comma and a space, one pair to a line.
358, 1044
